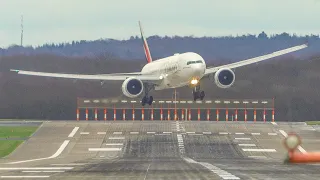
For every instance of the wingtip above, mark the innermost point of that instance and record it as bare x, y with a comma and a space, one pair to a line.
14, 70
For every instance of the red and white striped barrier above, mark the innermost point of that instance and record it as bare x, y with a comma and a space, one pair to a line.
78, 114
198, 114
114, 114
95, 114
142, 114
182, 114
105, 114
208, 114
245, 115
168, 114
123, 114
87, 114
272, 115
264, 115
133, 114
217, 113
161, 114
189, 114
254, 115
152, 114
236, 115
227, 115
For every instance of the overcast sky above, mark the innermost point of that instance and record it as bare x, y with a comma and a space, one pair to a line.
47, 21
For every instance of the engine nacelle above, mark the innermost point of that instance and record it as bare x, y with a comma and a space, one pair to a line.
224, 78
132, 87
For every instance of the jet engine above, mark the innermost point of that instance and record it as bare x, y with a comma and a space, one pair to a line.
132, 87
224, 78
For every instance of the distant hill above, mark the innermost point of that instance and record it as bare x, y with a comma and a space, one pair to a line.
212, 49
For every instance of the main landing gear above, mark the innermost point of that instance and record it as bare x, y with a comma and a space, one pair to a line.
197, 94
146, 98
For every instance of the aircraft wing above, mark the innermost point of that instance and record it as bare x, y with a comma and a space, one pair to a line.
100, 77
256, 59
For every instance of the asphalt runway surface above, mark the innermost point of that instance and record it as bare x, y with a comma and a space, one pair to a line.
160, 150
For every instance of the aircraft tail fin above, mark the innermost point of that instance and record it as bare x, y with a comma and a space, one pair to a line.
145, 45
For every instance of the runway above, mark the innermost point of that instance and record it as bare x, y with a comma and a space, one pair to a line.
160, 150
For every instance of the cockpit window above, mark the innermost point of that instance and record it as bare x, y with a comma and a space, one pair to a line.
194, 62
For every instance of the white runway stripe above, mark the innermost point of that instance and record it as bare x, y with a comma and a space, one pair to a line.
259, 150
117, 132
58, 152
274, 123
272, 134
116, 137
167, 132
101, 132
36, 168
42, 171
104, 149
258, 157
242, 138
114, 144
134, 132
70, 164
191, 132
223, 133
239, 133
255, 133
251, 145
84, 133
24, 177
151, 132
73, 132
206, 132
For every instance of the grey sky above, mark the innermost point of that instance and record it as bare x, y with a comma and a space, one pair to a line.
67, 20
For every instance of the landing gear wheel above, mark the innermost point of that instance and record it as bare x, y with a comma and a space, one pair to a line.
144, 100
195, 95
202, 95
150, 100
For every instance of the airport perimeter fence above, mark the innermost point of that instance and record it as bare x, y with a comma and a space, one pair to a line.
183, 110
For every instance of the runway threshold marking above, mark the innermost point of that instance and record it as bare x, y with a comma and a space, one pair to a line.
73, 132
70, 164
36, 168
134, 132
151, 132
259, 150
255, 133
58, 152
104, 149
24, 176
249, 145
206, 132
224, 133
272, 134
239, 133
242, 138
116, 137
258, 157
222, 173
286, 135
84, 133
99, 133
114, 144
117, 132
42, 171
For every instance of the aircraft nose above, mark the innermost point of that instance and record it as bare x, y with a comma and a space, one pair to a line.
198, 69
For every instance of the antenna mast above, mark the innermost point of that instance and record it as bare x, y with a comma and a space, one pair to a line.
21, 40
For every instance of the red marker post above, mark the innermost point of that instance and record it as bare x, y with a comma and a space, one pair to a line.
292, 142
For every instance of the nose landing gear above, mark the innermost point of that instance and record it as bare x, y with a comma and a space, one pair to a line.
146, 98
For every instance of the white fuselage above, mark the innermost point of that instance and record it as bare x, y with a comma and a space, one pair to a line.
176, 70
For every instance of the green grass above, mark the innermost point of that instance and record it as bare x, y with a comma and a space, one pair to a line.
6, 147
17, 131
313, 122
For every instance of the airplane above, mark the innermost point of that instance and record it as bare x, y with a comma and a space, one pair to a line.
174, 71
